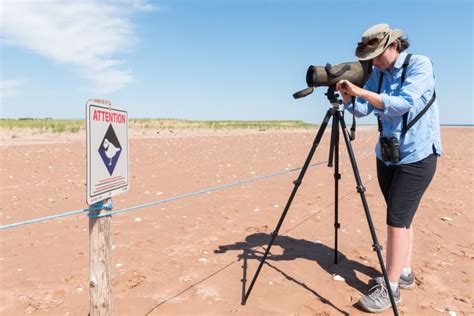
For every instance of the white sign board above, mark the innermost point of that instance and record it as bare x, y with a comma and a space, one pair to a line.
107, 151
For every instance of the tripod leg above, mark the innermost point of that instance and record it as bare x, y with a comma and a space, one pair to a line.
297, 183
361, 189
333, 139
337, 177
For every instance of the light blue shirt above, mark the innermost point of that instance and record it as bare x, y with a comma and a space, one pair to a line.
423, 138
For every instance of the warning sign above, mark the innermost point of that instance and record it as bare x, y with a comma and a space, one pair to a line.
107, 151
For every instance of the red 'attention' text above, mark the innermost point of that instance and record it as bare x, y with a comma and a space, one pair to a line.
106, 116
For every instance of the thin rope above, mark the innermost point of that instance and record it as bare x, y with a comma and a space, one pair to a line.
216, 188
100, 205
50, 217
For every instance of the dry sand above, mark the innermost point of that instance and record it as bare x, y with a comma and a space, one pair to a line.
190, 256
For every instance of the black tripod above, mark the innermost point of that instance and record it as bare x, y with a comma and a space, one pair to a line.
338, 119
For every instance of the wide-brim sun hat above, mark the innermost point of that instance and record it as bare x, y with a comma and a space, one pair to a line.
375, 40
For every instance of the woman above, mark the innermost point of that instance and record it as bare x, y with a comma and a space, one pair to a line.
400, 92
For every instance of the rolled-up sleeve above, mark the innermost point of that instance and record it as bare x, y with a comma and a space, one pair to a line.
419, 80
360, 109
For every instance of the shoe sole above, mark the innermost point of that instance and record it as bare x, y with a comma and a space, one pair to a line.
372, 310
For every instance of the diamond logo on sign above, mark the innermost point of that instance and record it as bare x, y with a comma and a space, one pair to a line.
110, 149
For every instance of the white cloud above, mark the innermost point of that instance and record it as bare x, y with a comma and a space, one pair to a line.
86, 34
142, 5
10, 87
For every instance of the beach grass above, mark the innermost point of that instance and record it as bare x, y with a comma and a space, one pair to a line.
189, 124
43, 125
75, 126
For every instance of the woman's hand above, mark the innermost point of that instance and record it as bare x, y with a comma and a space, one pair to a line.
345, 89
348, 89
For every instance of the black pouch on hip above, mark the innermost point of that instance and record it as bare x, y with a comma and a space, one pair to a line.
389, 148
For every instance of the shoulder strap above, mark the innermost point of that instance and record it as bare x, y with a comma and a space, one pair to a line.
380, 82
405, 67
406, 62
353, 127
379, 121
404, 72
406, 125
419, 115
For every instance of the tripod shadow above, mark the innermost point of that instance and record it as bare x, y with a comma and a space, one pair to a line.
300, 248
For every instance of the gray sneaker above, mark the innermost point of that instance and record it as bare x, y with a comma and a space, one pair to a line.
405, 282
378, 299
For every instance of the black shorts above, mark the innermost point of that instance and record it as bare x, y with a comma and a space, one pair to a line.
403, 186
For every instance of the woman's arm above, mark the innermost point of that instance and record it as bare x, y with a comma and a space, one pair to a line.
361, 108
348, 89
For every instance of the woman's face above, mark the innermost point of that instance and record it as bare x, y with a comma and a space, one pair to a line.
387, 59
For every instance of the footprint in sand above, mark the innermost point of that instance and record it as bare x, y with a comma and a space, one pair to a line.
135, 281
46, 301
208, 293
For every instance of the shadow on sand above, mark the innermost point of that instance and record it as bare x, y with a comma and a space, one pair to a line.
300, 248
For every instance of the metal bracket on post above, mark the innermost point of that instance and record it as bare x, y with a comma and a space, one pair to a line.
103, 102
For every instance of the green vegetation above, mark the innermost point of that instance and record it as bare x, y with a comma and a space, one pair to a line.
188, 124
44, 125
75, 126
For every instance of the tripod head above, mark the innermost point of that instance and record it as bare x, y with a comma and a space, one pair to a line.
333, 97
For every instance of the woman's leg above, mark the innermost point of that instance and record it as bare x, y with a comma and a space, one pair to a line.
408, 185
405, 187
398, 245
385, 176
411, 234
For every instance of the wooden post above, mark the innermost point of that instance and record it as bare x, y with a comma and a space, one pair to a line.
100, 260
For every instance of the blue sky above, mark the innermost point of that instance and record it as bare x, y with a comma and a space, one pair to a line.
213, 60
